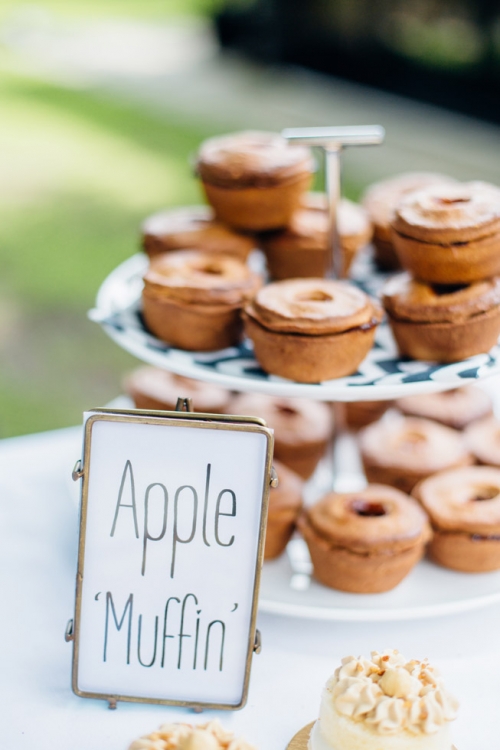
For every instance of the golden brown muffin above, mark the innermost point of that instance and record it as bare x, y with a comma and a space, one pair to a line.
450, 234
153, 388
311, 330
365, 542
381, 199
404, 450
302, 428
464, 508
253, 180
301, 249
285, 504
193, 300
456, 408
191, 227
483, 440
442, 323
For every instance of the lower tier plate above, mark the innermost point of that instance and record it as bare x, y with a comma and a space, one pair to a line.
428, 591
382, 375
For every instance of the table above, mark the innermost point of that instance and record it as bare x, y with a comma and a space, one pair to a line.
38, 545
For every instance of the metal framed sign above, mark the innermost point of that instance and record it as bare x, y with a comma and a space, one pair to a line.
172, 527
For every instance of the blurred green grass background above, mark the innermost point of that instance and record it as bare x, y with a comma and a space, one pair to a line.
78, 173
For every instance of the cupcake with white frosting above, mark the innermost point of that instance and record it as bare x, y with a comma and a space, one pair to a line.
385, 702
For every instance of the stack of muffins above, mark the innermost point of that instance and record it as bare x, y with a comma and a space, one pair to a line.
446, 307
199, 293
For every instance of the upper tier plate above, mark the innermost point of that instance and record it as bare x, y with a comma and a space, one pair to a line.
382, 375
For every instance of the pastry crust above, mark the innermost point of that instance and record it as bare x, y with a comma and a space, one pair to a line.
309, 359
444, 324
460, 263
464, 508
450, 233
456, 408
464, 552
358, 414
311, 330
447, 342
402, 451
302, 428
285, 504
257, 209
153, 388
301, 249
254, 180
192, 227
193, 300
365, 542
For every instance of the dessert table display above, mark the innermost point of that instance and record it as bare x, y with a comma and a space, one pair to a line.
187, 311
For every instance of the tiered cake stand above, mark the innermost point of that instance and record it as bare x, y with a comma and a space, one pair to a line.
287, 587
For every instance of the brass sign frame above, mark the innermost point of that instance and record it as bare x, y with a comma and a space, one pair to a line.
179, 418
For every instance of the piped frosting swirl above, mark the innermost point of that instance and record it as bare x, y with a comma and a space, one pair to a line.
391, 694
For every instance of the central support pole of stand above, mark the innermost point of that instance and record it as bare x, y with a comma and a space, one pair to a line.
333, 141
333, 192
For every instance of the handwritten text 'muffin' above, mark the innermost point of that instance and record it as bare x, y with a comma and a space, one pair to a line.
179, 622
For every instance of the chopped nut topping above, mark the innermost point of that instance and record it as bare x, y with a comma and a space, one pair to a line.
210, 736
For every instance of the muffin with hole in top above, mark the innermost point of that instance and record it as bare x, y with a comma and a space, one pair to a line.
365, 542
193, 300
311, 330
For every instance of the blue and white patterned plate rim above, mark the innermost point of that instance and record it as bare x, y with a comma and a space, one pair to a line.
382, 375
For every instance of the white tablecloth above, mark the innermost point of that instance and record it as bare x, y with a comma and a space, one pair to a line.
38, 543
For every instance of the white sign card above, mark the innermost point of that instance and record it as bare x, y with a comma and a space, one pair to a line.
171, 543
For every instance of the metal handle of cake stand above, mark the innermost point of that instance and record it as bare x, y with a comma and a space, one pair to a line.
333, 140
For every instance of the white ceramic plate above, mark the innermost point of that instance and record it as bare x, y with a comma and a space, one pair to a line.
429, 591
382, 375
